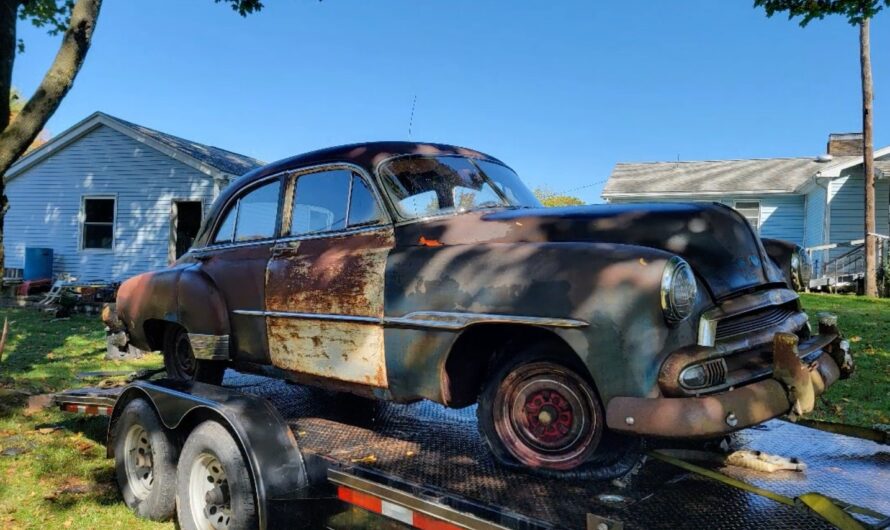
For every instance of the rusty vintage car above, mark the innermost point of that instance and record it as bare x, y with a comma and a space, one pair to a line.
405, 271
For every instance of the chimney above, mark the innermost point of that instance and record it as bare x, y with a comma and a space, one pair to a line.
845, 144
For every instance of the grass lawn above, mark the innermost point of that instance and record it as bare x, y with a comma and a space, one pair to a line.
61, 478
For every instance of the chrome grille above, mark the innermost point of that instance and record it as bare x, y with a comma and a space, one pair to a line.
754, 321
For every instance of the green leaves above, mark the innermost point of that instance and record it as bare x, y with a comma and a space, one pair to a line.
855, 11
243, 7
52, 14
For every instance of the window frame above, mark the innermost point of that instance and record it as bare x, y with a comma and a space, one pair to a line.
385, 216
234, 201
759, 204
82, 218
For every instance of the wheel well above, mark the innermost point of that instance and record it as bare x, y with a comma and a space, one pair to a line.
481, 347
155, 329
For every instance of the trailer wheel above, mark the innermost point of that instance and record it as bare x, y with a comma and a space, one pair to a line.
145, 462
180, 362
540, 412
213, 488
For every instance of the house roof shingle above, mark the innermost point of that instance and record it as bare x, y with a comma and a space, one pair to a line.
716, 176
221, 159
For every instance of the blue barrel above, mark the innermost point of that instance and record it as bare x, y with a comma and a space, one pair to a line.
38, 264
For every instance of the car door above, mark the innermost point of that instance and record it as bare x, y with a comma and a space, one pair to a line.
324, 283
236, 262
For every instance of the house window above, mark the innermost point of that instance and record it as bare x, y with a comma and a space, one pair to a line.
98, 223
750, 210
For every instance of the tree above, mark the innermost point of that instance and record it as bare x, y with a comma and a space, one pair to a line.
555, 200
15, 106
858, 13
76, 21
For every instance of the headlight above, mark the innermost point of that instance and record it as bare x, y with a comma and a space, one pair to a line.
795, 261
678, 290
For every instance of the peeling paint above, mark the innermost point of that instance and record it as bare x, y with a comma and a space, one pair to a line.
338, 350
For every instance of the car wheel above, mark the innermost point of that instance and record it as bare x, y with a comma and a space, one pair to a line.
145, 461
541, 413
180, 362
213, 488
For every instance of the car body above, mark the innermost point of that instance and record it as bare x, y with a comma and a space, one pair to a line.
792, 260
404, 271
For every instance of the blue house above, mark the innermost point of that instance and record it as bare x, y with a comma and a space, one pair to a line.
112, 198
812, 201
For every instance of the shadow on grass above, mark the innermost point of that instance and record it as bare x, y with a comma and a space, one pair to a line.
100, 490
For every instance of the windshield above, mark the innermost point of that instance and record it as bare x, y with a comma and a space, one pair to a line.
426, 186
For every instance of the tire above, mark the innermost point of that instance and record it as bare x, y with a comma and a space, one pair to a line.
213, 487
145, 462
537, 411
180, 362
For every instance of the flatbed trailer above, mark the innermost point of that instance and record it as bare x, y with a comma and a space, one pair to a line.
425, 466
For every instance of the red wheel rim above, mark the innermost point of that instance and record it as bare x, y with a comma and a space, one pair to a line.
546, 416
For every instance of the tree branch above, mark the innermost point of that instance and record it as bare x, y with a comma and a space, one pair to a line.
58, 80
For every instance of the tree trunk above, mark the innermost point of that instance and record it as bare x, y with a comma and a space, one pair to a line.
8, 50
18, 135
868, 157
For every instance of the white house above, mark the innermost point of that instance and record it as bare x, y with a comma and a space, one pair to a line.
112, 198
812, 201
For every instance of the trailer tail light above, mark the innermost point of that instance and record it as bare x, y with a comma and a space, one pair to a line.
414, 511
393, 510
91, 410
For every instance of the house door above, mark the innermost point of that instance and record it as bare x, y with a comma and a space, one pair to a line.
184, 224
324, 284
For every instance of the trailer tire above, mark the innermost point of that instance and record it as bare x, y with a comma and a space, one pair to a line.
180, 362
538, 411
140, 439
213, 486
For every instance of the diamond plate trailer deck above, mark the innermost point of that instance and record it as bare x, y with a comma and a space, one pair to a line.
424, 457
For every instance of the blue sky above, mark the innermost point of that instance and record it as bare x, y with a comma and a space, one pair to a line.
559, 90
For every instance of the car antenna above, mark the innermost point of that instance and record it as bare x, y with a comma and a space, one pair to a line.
411, 119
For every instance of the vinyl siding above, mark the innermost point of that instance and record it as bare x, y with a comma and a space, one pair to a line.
46, 202
781, 216
847, 198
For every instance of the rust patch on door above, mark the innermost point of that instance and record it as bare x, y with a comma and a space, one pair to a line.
330, 277
345, 351
342, 276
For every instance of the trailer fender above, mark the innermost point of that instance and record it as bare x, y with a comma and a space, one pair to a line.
273, 456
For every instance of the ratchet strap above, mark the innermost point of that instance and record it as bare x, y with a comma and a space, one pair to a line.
831, 510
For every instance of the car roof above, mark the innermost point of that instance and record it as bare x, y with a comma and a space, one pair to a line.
366, 155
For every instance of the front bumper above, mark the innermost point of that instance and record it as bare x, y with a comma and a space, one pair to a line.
801, 372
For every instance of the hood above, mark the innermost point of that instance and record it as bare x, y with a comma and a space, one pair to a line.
717, 242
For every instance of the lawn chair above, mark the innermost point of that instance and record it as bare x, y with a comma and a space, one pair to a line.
54, 295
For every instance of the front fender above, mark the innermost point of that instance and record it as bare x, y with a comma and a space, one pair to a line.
614, 288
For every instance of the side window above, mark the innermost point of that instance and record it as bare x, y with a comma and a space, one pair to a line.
226, 230
252, 216
320, 201
257, 212
363, 207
